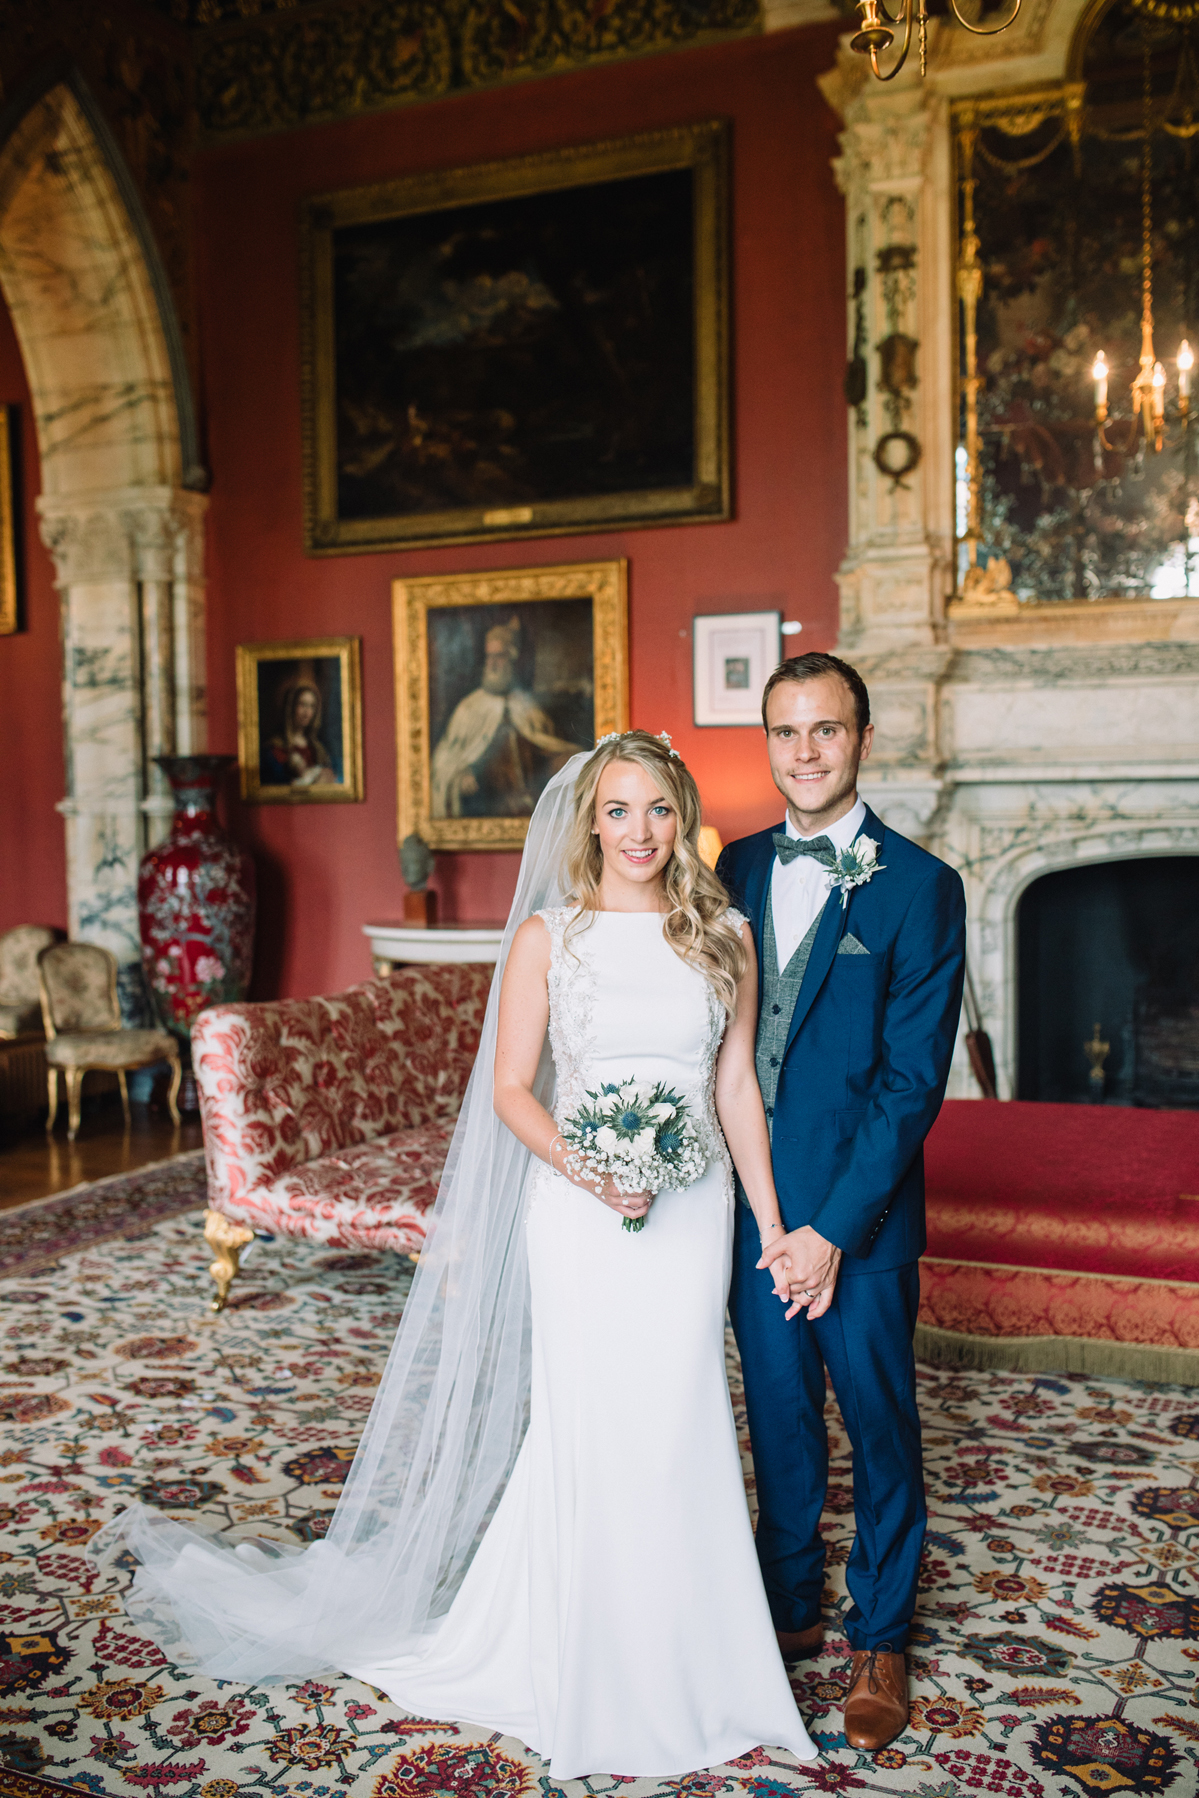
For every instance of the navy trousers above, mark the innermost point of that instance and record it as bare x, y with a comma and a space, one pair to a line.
865, 1341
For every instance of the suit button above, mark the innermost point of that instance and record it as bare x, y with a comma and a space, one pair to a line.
776, 1009
770, 1111
774, 1061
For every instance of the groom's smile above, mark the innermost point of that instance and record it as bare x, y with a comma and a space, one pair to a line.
815, 749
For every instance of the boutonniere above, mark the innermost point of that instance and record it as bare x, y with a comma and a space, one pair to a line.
854, 866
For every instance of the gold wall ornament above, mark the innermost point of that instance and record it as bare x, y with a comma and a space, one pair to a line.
500, 677
875, 31
970, 287
459, 387
9, 598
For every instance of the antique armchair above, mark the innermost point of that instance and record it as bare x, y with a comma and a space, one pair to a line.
78, 990
20, 1000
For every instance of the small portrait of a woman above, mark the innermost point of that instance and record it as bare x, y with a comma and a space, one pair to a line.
301, 738
296, 756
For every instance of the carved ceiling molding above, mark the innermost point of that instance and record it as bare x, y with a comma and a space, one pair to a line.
266, 65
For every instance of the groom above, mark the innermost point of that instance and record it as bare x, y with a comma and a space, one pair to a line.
858, 1011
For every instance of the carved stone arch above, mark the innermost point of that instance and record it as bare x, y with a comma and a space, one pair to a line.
121, 511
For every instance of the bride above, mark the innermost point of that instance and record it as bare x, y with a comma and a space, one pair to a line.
545, 1531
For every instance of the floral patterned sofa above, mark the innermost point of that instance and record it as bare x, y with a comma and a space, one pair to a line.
330, 1118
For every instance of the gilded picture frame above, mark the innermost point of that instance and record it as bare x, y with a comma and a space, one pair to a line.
10, 609
299, 721
500, 678
521, 348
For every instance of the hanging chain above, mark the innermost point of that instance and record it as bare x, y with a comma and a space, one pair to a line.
1147, 198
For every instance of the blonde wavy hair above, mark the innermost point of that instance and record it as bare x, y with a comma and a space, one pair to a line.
695, 925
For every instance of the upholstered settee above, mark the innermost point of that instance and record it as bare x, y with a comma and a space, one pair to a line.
1063, 1238
330, 1118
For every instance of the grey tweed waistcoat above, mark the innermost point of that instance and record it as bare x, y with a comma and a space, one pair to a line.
780, 990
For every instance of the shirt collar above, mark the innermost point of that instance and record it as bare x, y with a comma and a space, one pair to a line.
842, 833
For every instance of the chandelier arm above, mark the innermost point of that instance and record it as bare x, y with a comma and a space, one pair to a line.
909, 8
979, 30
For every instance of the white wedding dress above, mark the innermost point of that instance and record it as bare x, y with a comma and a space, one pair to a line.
613, 1618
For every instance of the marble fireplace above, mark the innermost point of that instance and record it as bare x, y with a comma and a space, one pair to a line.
1012, 739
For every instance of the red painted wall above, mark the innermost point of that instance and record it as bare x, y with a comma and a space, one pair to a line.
33, 858
326, 870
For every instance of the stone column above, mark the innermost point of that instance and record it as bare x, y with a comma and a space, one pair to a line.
895, 172
130, 578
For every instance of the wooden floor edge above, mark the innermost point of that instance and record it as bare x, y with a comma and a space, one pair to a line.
1097, 1356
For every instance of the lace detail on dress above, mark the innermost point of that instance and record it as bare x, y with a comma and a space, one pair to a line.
571, 983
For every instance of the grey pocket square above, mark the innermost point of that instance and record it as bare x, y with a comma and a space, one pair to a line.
849, 945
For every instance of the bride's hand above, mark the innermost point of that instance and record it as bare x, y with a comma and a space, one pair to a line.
625, 1204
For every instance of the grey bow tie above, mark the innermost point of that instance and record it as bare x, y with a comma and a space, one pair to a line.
820, 848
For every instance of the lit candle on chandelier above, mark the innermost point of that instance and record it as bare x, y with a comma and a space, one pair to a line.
1159, 390
1099, 375
1186, 362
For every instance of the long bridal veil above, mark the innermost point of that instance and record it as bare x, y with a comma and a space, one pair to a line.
441, 1438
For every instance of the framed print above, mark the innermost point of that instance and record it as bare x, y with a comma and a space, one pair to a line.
299, 721
520, 348
9, 597
735, 654
500, 679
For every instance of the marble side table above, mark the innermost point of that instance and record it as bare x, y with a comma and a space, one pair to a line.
394, 945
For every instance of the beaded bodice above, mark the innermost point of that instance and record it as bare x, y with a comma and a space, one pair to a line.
624, 1005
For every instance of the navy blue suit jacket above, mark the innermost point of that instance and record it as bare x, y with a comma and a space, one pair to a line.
869, 1048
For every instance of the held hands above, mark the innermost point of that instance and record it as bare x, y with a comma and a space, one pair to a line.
804, 1269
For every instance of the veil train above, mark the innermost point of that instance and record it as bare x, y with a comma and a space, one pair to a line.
441, 1439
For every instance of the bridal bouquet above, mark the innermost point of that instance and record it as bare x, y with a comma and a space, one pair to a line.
642, 1135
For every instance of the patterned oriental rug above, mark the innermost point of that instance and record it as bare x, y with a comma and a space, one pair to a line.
1057, 1648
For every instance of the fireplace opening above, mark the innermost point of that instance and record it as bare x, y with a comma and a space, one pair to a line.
1108, 954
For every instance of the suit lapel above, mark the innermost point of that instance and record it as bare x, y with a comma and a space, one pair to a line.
757, 898
834, 921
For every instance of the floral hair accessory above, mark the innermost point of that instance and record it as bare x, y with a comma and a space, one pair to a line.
615, 736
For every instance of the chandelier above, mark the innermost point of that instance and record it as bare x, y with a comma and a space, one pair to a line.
875, 31
1148, 390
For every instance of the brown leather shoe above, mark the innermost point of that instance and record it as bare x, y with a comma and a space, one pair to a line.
798, 1644
876, 1706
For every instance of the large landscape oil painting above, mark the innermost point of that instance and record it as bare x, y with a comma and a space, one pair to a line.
519, 362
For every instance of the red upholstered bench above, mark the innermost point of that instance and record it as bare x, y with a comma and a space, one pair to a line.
1063, 1238
331, 1118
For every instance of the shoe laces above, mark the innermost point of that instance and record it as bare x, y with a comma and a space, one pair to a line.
871, 1667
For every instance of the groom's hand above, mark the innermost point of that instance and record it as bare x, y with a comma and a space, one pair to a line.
813, 1271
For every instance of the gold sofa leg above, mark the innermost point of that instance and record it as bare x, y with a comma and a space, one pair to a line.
226, 1240
124, 1086
52, 1095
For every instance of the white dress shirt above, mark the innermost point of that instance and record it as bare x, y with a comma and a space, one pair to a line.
799, 890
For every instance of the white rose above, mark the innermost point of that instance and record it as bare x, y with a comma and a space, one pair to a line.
645, 1140
660, 1113
628, 1091
867, 850
606, 1139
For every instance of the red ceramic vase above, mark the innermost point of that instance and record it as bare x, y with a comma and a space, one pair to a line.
195, 901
